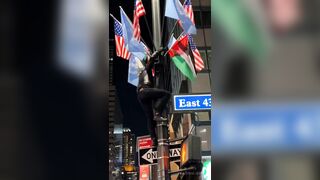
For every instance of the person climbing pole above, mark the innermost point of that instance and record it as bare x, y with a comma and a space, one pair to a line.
153, 100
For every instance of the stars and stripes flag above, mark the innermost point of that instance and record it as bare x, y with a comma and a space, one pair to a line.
188, 8
138, 12
175, 10
198, 62
197, 57
121, 50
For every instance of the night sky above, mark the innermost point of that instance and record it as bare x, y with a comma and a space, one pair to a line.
133, 116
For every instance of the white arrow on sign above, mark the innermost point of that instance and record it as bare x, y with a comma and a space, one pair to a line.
151, 155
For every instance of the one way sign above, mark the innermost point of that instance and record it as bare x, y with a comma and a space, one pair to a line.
149, 156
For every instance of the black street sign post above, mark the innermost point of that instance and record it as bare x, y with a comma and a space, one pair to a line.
149, 156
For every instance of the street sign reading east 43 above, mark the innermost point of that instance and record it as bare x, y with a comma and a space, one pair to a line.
192, 102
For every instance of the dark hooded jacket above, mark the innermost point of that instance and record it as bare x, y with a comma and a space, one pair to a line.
145, 76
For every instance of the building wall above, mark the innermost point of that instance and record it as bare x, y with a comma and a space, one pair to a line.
129, 147
182, 122
111, 108
114, 119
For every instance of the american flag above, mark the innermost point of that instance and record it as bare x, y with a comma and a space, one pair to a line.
196, 54
121, 50
188, 8
197, 57
138, 12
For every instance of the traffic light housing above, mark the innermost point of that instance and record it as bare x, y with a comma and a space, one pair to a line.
128, 168
190, 151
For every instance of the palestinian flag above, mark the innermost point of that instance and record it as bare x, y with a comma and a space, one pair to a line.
242, 26
181, 59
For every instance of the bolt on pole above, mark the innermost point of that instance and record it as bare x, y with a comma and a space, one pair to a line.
162, 126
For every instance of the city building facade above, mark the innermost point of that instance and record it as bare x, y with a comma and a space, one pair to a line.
129, 154
115, 125
180, 122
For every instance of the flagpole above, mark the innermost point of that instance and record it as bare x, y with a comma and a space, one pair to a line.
162, 34
156, 22
145, 19
162, 125
112, 16
173, 44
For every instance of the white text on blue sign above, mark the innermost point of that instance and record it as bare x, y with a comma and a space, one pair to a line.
192, 102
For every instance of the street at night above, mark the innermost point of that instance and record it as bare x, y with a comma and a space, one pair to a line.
160, 90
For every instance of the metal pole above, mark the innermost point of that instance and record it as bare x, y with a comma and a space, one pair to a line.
163, 150
162, 126
156, 23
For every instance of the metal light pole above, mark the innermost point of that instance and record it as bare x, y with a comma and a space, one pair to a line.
163, 150
156, 23
162, 126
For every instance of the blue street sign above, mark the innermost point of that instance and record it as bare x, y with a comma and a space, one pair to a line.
192, 102
261, 128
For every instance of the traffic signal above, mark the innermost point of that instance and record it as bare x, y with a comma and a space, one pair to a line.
128, 168
190, 151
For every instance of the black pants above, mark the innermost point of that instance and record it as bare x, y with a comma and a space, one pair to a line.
153, 98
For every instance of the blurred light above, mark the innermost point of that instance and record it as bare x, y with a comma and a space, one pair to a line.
203, 131
206, 170
118, 130
283, 14
267, 128
126, 130
183, 153
206, 157
80, 22
190, 151
128, 168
